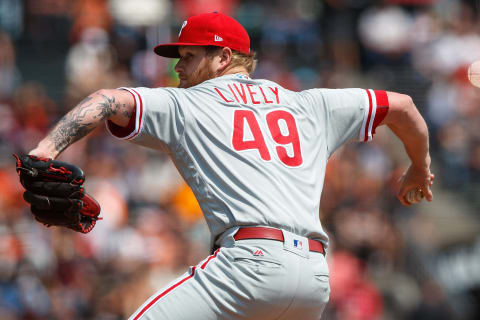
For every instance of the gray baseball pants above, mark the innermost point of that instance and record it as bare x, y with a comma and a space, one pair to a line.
248, 279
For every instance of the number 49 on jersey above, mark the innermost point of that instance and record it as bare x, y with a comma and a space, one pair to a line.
282, 139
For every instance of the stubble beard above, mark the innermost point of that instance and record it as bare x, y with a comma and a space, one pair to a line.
198, 76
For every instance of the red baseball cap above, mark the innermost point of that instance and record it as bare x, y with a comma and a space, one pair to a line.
208, 29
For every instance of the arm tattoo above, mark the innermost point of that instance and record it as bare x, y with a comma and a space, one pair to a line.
126, 113
107, 108
82, 120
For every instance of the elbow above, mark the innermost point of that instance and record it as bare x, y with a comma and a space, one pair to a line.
408, 102
401, 107
410, 110
407, 108
405, 104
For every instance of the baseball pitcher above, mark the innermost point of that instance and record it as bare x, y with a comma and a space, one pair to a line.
254, 154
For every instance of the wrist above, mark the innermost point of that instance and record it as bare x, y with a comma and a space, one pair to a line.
45, 149
423, 164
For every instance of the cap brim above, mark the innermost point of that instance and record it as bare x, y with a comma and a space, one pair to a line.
170, 50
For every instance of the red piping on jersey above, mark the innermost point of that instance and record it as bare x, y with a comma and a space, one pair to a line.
122, 132
163, 294
139, 116
367, 124
151, 303
210, 258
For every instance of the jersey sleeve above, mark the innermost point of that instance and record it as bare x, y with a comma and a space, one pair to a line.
157, 120
349, 114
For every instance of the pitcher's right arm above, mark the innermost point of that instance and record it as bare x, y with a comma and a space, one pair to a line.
408, 125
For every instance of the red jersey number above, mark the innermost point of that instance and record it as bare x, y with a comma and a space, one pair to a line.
274, 118
258, 142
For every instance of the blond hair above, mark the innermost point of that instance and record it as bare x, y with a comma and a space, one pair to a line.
239, 59
248, 61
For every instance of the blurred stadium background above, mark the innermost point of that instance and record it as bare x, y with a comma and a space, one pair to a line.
387, 261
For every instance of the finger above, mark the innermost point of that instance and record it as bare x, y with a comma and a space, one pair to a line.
427, 192
401, 197
428, 195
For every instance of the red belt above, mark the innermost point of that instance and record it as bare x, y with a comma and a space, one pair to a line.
273, 234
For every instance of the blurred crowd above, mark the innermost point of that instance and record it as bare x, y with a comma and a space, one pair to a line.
387, 261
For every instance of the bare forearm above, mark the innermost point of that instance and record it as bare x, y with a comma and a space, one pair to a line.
81, 120
409, 126
413, 132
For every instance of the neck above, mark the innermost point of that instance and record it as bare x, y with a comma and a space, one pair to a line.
237, 69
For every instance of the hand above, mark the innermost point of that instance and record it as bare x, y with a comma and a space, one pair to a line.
43, 152
416, 178
55, 192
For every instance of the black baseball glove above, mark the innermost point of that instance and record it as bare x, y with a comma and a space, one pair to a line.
55, 193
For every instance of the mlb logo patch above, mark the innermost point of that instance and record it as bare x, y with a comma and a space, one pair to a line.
297, 244
241, 76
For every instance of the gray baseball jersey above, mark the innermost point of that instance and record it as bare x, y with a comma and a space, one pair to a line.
253, 153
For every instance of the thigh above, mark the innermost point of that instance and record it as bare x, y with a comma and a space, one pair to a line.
230, 284
178, 300
187, 297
